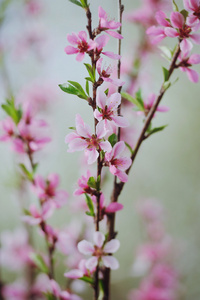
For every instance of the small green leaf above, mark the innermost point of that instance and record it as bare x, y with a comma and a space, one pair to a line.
129, 147
76, 2
106, 92
28, 174
26, 212
98, 183
113, 139
73, 128
165, 74
175, 6
50, 296
92, 183
87, 279
12, 111
157, 129
87, 88
91, 72
84, 3
90, 205
135, 101
39, 262
35, 166
166, 85
74, 88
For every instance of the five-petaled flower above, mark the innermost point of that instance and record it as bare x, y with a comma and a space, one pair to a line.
100, 251
105, 24
117, 164
83, 139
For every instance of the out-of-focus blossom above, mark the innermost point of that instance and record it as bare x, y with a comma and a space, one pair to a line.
47, 190
194, 7
118, 164
107, 110
80, 45
83, 185
33, 7
80, 271
59, 294
105, 24
83, 139
15, 249
149, 103
9, 128
17, 290
100, 251
37, 217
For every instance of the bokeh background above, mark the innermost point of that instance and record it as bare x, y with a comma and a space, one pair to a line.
166, 168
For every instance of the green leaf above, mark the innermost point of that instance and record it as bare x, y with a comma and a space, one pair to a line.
92, 183
166, 85
50, 296
184, 13
73, 88
12, 111
28, 174
84, 3
26, 212
91, 72
87, 279
175, 6
157, 129
35, 166
73, 128
165, 74
113, 139
90, 205
87, 88
129, 147
98, 183
39, 262
76, 2
106, 92
136, 101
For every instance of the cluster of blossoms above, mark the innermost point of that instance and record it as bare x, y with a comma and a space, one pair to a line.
153, 262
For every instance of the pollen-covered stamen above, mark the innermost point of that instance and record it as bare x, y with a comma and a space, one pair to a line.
83, 46
98, 251
106, 113
93, 142
185, 31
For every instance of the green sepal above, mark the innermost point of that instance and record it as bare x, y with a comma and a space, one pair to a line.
184, 13
113, 139
166, 85
92, 183
87, 279
90, 206
39, 262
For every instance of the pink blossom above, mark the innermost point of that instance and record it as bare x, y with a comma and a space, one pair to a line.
83, 139
61, 295
117, 164
104, 73
149, 103
80, 272
15, 249
9, 128
107, 110
100, 251
83, 185
194, 7
37, 217
105, 24
99, 43
46, 190
82, 46
33, 7
17, 290
187, 61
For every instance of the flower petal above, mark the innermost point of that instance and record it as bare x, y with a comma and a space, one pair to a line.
99, 238
91, 263
112, 246
85, 247
110, 262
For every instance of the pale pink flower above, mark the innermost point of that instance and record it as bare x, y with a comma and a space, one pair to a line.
100, 251
105, 73
15, 249
36, 217
118, 164
80, 271
149, 103
9, 129
83, 139
80, 45
105, 24
83, 185
194, 7
187, 61
59, 294
99, 43
47, 190
17, 290
107, 110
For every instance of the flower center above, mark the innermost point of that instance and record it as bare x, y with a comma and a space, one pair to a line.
93, 142
185, 31
98, 251
107, 113
83, 46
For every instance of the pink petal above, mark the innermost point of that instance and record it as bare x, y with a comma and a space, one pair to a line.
53, 180
101, 99
161, 19
99, 65
30, 220
114, 101
112, 246
110, 262
118, 149
97, 115
82, 35
195, 38
114, 207
101, 13
80, 56
70, 50
177, 19
55, 288
195, 4
72, 39
77, 145
171, 32
114, 34
100, 130
162, 108
85, 247
111, 55
74, 274
91, 263
101, 41
192, 20
105, 146
120, 121
121, 175
40, 182
99, 239
187, 4
186, 46
192, 75
92, 155
83, 132
194, 59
